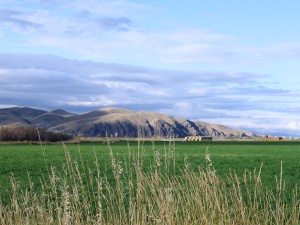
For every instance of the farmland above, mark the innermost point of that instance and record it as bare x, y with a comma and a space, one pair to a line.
35, 161
235, 156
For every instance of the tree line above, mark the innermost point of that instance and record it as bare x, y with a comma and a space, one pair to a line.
26, 133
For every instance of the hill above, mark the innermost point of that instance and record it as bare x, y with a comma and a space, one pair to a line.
116, 121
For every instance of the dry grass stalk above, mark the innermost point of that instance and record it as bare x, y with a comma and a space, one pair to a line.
153, 195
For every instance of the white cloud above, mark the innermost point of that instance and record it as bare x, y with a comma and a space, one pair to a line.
260, 121
198, 91
48, 74
99, 101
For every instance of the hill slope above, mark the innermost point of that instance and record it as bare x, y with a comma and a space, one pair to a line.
112, 121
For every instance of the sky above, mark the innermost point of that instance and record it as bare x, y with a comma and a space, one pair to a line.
229, 62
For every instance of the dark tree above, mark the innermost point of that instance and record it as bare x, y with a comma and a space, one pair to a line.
27, 133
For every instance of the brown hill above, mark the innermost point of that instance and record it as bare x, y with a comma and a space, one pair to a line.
116, 121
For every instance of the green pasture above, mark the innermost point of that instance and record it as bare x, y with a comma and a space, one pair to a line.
33, 159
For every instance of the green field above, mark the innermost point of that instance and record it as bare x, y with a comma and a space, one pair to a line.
146, 181
235, 156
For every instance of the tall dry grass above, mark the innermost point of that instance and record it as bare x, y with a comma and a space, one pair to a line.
141, 194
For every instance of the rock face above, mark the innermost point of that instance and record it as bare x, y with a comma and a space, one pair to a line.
116, 121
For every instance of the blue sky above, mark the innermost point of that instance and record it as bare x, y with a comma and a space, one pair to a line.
230, 62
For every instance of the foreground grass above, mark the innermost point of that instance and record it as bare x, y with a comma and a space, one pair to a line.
134, 188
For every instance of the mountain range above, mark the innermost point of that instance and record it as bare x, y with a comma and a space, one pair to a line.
117, 122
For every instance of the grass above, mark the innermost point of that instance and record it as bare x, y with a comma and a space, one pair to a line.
192, 183
234, 156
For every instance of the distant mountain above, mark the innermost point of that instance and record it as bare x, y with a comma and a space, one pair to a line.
16, 115
112, 121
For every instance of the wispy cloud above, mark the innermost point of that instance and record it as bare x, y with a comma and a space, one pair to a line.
20, 19
265, 122
91, 70
105, 23
96, 31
